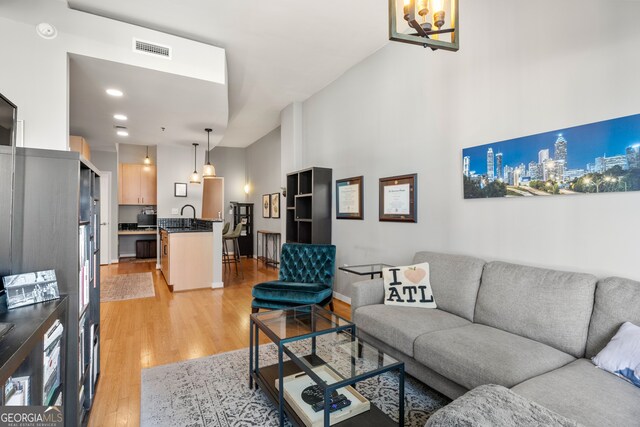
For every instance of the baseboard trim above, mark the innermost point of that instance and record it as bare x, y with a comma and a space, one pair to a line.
217, 285
133, 255
158, 267
341, 297
115, 261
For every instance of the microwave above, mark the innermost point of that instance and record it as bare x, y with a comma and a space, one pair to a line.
147, 220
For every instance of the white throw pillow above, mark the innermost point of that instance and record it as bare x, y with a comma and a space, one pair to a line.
622, 355
408, 286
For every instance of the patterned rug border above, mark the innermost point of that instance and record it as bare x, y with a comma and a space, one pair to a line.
213, 391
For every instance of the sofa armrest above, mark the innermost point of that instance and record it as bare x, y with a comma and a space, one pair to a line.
366, 292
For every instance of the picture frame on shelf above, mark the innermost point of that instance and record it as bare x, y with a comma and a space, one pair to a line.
350, 198
180, 189
398, 198
275, 205
31, 288
266, 206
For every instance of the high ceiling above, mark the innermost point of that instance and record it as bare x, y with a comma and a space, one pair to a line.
152, 100
278, 52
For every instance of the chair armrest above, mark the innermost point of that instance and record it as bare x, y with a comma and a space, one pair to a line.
366, 292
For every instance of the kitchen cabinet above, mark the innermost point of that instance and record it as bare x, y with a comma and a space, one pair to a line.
137, 184
164, 257
80, 145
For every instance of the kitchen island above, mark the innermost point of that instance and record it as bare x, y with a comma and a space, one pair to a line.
191, 254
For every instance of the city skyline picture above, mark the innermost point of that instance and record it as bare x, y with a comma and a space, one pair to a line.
601, 157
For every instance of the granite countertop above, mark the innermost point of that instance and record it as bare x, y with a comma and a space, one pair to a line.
185, 230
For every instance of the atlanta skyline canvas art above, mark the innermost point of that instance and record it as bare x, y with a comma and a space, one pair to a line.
601, 157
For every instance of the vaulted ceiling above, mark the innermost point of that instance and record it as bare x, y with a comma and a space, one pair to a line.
278, 52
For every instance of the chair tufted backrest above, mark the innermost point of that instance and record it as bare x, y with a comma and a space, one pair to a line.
308, 263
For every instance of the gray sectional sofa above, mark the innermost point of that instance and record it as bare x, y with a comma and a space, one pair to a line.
528, 329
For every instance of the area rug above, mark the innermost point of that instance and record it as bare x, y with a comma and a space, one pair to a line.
127, 286
214, 392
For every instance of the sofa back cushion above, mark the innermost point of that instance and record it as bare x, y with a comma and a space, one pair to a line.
454, 280
552, 307
617, 301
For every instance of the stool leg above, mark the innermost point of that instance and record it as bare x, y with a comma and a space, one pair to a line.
238, 246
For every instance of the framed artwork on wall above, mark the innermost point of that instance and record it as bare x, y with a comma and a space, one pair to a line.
266, 206
275, 205
180, 189
398, 198
349, 198
562, 162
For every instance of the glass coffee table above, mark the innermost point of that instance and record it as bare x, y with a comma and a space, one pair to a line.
366, 269
324, 351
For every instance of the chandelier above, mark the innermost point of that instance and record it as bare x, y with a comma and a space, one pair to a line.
428, 23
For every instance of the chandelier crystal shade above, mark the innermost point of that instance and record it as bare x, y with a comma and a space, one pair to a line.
209, 170
427, 23
195, 178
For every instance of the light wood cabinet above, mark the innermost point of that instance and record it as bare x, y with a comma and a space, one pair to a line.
80, 145
213, 198
137, 184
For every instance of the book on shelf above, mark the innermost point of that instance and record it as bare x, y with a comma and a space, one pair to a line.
85, 268
81, 346
51, 362
17, 391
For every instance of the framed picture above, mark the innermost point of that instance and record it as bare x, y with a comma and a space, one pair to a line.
398, 198
349, 198
275, 205
180, 189
266, 206
30, 288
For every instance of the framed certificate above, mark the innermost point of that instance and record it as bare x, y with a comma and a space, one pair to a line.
398, 198
349, 198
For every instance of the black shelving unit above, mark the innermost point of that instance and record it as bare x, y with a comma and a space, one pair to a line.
22, 349
243, 213
56, 217
309, 206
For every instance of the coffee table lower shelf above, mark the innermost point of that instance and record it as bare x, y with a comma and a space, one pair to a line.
266, 379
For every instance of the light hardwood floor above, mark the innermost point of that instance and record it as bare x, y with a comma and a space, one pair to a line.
168, 328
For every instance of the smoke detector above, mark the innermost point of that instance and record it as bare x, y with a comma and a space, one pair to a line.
46, 31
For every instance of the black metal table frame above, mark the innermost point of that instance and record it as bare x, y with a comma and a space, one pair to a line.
255, 326
275, 237
373, 273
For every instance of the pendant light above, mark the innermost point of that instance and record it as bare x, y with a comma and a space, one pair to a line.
147, 160
209, 170
195, 178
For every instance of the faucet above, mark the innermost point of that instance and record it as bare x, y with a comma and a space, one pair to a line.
189, 206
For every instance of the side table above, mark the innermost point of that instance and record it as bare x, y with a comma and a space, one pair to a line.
366, 269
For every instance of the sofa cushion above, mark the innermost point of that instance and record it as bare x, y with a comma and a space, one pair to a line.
617, 301
587, 394
293, 293
454, 280
494, 405
475, 355
549, 306
399, 327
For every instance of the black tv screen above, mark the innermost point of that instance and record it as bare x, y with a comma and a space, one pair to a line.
7, 121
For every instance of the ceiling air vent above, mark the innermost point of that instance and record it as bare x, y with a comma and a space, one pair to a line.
153, 49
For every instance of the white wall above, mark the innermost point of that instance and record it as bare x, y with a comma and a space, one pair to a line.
37, 78
410, 110
175, 164
108, 161
263, 175
230, 163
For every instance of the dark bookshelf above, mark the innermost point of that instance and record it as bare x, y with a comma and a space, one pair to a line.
22, 348
308, 210
57, 195
243, 212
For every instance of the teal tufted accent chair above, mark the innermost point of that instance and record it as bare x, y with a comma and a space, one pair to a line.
306, 277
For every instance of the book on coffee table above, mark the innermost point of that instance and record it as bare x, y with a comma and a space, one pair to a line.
295, 384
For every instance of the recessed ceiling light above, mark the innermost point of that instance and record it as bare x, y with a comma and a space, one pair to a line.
114, 92
121, 117
122, 132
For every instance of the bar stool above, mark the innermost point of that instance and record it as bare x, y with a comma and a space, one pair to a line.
225, 228
226, 257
